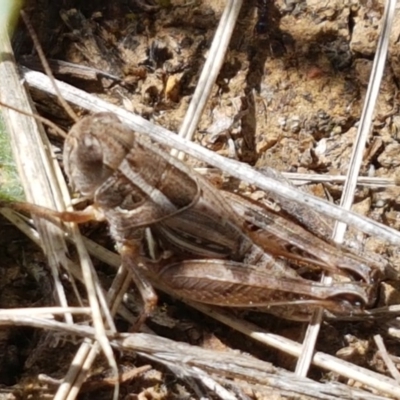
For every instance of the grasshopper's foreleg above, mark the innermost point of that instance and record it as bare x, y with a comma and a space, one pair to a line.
131, 258
90, 213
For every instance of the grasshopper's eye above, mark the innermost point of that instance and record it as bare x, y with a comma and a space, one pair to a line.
83, 163
93, 150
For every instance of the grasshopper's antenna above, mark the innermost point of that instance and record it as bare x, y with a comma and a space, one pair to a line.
43, 120
46, 67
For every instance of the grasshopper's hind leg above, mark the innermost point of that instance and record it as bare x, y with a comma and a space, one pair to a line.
233, 284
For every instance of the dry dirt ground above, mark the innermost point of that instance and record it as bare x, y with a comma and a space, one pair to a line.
289, 96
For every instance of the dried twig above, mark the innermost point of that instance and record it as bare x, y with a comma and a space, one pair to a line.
386, 358
50, 189
353, 172
237, 169
211, 69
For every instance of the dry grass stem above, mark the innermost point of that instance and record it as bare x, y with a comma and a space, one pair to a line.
234, 365
45, 312
32, 159
356, 159
375, 182
211, 69
386, 358
48, 189
234, 168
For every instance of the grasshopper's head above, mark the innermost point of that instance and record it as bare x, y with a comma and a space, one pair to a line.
93, 150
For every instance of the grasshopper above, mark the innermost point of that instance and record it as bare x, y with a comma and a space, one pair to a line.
210, 246
213, 247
